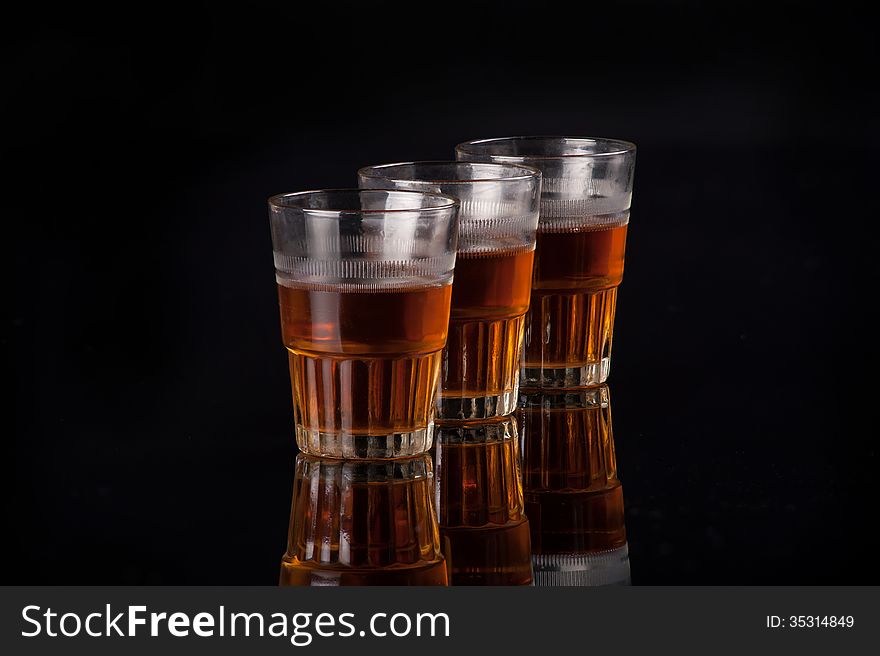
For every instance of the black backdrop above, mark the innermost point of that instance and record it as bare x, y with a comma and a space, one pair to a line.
151, 413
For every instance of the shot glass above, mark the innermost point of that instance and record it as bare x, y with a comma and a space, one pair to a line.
363, 522
585, 205
490, 296
364, 282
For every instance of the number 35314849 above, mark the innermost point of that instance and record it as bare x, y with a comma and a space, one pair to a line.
810, 621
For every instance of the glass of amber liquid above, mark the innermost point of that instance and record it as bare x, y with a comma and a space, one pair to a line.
364, 282
363, 522
479, 374
585, 206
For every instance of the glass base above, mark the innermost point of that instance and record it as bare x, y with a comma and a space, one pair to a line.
586, 375
350, 445
481, 407
589, 569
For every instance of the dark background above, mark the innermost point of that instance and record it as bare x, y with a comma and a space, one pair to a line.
151, 412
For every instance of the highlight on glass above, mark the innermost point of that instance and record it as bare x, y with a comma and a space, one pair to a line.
490, 295
585, 207
364, 283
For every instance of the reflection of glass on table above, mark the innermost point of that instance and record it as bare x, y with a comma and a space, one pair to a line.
573, 497
363, 522
483, 528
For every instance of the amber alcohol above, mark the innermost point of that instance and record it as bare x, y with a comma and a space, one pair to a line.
578, 266
483, 528
364, 366
480, 369
363, 522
